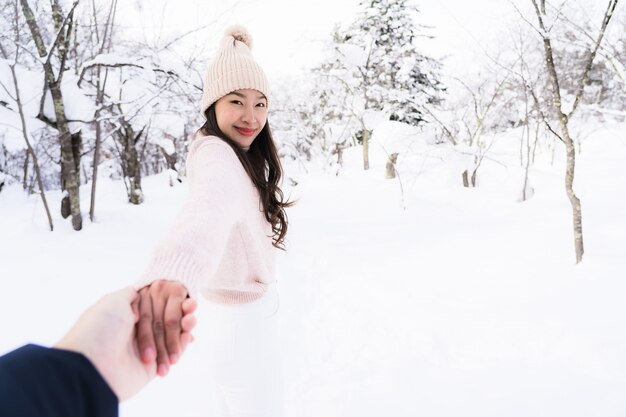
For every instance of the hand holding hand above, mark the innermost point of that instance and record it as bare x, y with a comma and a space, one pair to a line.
105, 335
165, 323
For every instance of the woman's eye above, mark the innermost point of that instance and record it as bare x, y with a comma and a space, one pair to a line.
261, 105
236, 102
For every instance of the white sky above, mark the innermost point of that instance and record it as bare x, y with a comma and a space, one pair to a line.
289, 34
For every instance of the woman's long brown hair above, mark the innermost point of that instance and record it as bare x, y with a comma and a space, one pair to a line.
262, 164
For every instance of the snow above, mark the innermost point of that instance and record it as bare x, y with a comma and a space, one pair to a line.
394, 136
11, 136
167, 145
373, 118
30, 85
466, 303
169, 123
78, 107
353, 55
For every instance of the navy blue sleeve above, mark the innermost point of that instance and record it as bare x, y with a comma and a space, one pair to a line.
37, 381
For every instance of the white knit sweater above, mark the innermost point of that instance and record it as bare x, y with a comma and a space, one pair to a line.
220, 244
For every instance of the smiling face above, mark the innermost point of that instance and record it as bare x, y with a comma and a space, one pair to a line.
241, 115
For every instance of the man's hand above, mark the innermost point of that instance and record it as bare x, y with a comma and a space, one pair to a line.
105, 334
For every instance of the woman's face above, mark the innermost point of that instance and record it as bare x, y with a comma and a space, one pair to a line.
241, 115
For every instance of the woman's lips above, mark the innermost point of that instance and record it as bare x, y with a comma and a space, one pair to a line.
245, 132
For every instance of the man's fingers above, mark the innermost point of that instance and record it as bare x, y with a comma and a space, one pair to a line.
134, 306
145, 336
129, 293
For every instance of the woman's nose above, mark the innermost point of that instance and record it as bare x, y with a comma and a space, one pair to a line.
248, 115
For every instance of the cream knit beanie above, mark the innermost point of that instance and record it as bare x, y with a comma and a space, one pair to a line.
233, 68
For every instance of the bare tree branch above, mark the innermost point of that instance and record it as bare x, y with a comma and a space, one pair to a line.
445, 129
60, 32
521, 15
592, 54
198, 29
542, 114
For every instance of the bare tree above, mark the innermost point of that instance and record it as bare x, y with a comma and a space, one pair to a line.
171, 156
484, 99
528, 85
130, 157
70, 144
475, 111
104, 45
128, 118
558, 107
20, 109
360, 92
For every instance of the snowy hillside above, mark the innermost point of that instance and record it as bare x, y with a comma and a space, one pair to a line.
465, 303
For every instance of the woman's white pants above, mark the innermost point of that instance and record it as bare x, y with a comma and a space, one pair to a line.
245, 374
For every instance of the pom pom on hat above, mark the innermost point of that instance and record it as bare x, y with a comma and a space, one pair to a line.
240, 34
233, 68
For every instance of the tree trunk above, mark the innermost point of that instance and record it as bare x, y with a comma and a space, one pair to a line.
130, 163
564, 119
536, 142
339, 152
105, 44
68, 163
96, 152
170, 161
26, 162
133, 173
69, 148
390, 172
527, 163
94, 173
525, 133
569, 189
366, 145
464, 177
30, 150
77, 148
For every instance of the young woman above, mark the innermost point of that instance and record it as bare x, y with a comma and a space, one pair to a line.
222, 244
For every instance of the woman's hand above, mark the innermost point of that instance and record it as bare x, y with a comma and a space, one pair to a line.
165, 323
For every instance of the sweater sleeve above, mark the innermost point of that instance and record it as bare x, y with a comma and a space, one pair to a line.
37, 381
192, 249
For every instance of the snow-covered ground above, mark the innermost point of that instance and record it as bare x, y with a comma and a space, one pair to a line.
465, 303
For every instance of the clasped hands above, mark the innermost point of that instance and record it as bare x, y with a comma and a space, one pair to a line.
131, 336
165, 323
